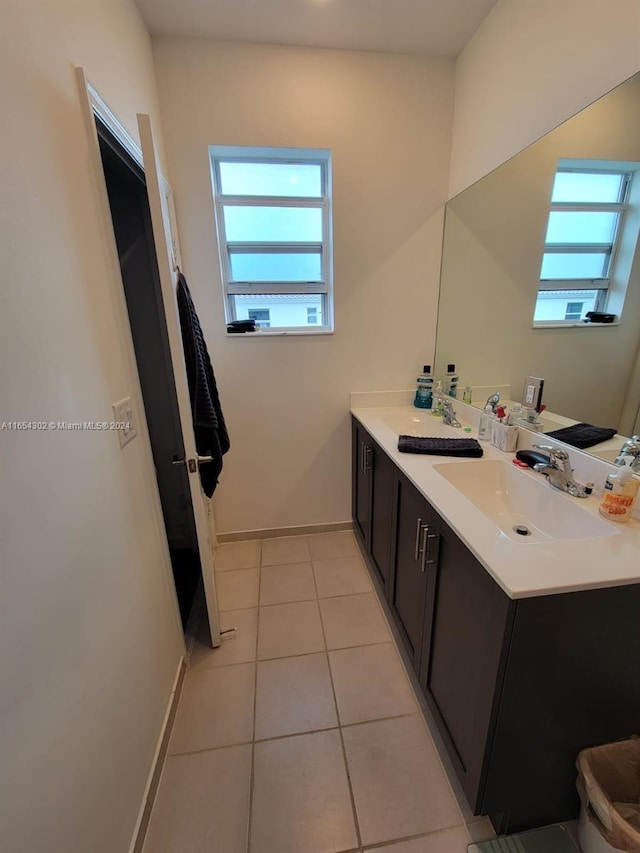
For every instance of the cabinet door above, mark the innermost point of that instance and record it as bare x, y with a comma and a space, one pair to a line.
467, 624
409, 592
382, 514
362, 455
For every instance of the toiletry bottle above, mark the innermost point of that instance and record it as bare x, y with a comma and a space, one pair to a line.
620, 490
437, 407
516, 414
486, 419
467, 394
424, 390
452, 381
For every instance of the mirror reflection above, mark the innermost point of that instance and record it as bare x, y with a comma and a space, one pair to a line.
541, 276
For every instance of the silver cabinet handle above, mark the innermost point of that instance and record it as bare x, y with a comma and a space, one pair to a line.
425, 536
426, 561
416, 550
367, 458
362, 456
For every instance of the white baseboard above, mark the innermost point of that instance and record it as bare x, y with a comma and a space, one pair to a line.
157, 765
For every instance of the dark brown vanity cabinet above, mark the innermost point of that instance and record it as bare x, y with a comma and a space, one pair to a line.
414, 556
516, 687
372, 500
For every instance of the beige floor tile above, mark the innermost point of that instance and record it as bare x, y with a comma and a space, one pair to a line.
370, 683
341, 576
289, 629
481, 829
453, 840
239, 647
353, 620
399, 786
294, 695
291, 582
328, 546
216, 708
288, 549
237, 555
202, 803
301, 797
238, 589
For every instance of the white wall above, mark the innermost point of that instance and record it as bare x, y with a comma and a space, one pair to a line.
531, 65
89, 633
387, 121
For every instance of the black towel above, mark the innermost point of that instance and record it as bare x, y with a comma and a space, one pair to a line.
209, 427
582, 435
440, 446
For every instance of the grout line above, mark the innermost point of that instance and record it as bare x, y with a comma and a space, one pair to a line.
253, 730
295, 734
340, 734
377, 845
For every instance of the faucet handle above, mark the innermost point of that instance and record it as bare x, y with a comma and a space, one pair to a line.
554, 452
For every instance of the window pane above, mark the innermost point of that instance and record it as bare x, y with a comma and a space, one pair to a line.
283, 179
556, 305
581, 186
285, 309
574, 265
261, 316
587, 227
273, 224
276, 266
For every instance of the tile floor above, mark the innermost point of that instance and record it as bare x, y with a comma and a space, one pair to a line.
301, 733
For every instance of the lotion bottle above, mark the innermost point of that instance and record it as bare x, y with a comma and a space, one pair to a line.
620, 490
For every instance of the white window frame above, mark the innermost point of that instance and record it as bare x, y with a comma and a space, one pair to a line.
600, 284
242, 154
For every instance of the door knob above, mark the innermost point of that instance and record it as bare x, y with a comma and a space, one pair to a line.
192, 464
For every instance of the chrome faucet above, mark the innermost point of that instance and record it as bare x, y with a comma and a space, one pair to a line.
448, 415
559, 473
493, 401
630, 454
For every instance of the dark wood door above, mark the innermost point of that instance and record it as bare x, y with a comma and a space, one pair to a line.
362, 461
467, 622
382, 514
409, 593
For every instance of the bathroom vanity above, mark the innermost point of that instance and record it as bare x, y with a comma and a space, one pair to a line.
527, 648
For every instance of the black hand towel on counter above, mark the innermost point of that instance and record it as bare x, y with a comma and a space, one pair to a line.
209, 427
582, 436
467, 447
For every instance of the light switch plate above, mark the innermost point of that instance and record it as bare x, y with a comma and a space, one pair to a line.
125, 421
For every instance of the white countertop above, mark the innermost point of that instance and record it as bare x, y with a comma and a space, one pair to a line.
522, 568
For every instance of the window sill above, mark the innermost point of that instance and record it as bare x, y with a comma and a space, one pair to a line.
280, 333
577, 325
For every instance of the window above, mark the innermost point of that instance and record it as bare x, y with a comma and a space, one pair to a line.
273, 218
573, 311
586, 213
260, 315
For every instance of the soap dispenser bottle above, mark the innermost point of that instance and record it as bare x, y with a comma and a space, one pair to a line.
486, 420
424, 389
452, 380
620, 490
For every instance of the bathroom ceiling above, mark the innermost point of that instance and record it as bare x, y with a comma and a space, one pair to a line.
428, 27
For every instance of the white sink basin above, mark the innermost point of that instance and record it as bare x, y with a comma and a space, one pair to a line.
421, 423
513, 498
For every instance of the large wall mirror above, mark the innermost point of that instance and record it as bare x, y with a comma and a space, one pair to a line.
533, 246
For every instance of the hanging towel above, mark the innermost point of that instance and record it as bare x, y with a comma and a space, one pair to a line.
440, 446
209, 427
582, 436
